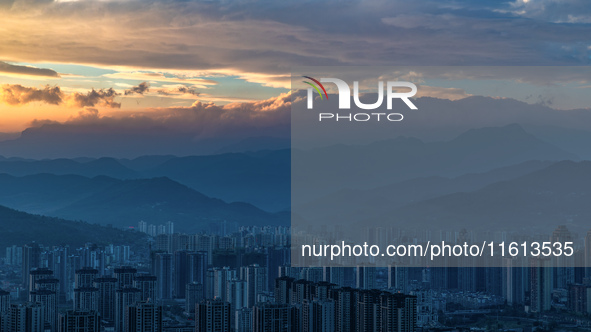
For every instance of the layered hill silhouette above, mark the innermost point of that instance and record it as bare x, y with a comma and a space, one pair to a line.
19, 228
325, 170
44, 193
257, 144
539, 201
263, 178
122, 203
260, 178
158, 200
350, 205
102, 166
243, 187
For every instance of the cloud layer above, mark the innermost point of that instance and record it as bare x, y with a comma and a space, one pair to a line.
180, 49
26, 70
202, 128
101, 97
140, 89
16, 94
262, 42
201, 120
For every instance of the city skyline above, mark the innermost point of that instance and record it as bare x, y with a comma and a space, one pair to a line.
163, 168
123, 288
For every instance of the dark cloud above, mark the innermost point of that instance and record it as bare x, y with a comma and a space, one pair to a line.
140, 89
179, 90
26, 70
144, 87
102, 97
184, 89
16, 94
264, 39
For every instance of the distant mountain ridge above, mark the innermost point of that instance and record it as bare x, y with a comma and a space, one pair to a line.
257, 144
349, 205
158, 200
123, 203
538, 201
102, 166
44, 193
263, 178
19, 228
438, 119
390, 161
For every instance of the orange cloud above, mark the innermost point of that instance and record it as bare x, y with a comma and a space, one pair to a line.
16, 94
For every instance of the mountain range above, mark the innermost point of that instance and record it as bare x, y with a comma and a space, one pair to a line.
321, 171
123, 203
261, 178
439, 119
402, 178
350, 205
535, 202
19, 228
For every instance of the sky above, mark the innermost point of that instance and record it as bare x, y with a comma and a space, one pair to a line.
217, 68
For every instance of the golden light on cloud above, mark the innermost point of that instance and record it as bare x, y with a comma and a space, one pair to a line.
16, 94
269, 80
29, 77
160, 77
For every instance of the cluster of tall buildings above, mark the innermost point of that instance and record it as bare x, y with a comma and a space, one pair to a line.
121, 302
306, 306
154, 230
243, 281
64, 262
219, 299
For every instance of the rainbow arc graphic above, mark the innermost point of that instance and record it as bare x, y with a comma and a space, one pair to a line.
316, 86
